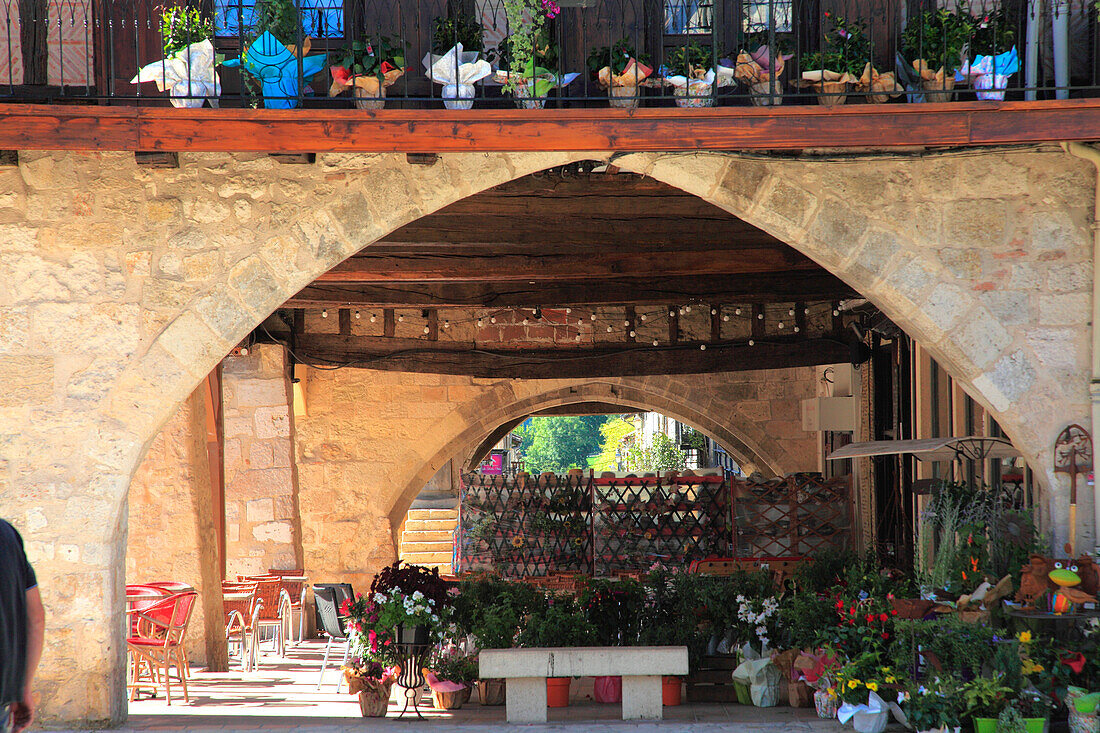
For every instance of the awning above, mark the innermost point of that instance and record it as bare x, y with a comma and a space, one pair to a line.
931, 449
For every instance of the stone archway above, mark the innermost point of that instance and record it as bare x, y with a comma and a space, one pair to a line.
122, 287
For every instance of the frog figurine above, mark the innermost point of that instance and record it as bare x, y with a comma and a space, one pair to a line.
1064, 575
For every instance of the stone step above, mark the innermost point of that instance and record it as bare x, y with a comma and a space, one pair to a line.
417, 514
421, 525
413, 547
424, 536
430, 561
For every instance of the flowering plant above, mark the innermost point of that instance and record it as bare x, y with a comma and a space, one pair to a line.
936, 704
761, 616
372, 622
863, 622
860, 675
450, 663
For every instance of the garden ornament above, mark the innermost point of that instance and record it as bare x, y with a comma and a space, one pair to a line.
1065, 577
187, 75
275, 65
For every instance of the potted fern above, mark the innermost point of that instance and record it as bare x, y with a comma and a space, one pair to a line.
620, 69
691, 73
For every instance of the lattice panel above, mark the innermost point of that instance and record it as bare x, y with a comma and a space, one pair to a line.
642, 521
525, 526
794, 516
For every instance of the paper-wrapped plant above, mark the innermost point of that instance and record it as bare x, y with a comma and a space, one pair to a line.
878, 86
368, 67
457, 70
760, 71
840, 64
620, 69
693, 75
187, 75
934, 45
989, 74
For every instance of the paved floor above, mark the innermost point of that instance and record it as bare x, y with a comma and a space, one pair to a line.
282, 696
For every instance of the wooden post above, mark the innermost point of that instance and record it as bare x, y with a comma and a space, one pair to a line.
388, 326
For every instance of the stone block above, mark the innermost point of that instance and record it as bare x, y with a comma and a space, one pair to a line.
28, 380
259, 510
260, 455
1070, 309
272, 422
279, 532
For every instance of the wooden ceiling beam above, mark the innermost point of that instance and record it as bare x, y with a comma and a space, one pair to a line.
458, 266
414, 355
775, 287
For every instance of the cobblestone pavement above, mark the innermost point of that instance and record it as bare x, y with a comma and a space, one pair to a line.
282, 696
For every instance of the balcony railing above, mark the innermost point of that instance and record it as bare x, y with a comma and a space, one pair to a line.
832, 51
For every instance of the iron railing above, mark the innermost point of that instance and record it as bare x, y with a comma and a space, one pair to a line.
87, 51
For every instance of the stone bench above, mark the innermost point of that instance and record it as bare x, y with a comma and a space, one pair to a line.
526, 670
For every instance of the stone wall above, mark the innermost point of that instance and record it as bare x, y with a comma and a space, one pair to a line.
171, 520
121, 287
261, 495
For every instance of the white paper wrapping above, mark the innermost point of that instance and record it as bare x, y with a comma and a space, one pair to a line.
188, 75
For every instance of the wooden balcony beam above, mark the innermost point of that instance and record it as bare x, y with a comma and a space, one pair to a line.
869, 126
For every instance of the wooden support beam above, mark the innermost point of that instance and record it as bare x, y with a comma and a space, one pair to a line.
800, 319
673, 324
345, 321
631, 324
716, 323
758, 326
117, 127
419, 355
776, 287
433, 325
458, 264
299, 322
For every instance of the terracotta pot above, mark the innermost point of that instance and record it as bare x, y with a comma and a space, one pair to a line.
366, 100
451, 700
374, 699
671, 691
557, 692
490, 692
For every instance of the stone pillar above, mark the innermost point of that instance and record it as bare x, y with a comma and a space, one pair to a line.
263, 528
171, 527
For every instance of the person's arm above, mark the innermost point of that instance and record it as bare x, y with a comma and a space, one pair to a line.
22, 713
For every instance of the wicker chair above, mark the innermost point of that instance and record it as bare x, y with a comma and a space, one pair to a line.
241, 611
158, 644
296, 591
273, 603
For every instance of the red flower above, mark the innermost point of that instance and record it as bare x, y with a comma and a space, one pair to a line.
1075, 661
852, 611
884, 635
851, 622
840, 605
893, 612
870, 618
883, 617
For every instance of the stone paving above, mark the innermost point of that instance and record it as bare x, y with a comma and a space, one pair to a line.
282, 696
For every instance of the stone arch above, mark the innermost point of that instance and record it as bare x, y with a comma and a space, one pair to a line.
988, 266
734, 430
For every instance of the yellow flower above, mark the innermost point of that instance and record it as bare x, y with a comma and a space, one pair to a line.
872, 686
1024, 637
853, 684
831, 692
891, 679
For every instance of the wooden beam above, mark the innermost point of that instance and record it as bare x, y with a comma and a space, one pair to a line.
373, 266
418, 355
779, 287
588, 408
673, 324
60, 127
433, 325
345, 321
389, 326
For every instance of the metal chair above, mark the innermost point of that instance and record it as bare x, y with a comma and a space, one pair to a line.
332, 627
274, 604
294, 583
241, 612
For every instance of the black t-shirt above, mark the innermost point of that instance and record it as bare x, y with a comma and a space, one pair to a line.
16, 578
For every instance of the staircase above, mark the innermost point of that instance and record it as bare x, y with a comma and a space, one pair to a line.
428, 536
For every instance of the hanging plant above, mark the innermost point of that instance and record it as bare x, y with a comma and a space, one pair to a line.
526, 21
181, 27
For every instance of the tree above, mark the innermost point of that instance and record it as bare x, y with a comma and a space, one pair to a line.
560, 443
660, 455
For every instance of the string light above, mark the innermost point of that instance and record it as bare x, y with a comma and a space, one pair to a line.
493, 319
372, 318
654, 342
427, 330
642, 316
324, 313
609, 329
759, 316
752, 343
737, 312
626, 323
836, 312
400, 319
524, 321
714, 311
806, 311
592, 317
797, 329
568, 311
446, 324
725, 317
479, 323
702, 347
790, 312
632, 334
357, 315
671, 314
687, 309
781, 324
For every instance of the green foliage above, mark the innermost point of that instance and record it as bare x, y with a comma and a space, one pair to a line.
985, 697
847, 48
660, 455
824, 570
545, 54
940, 36
450, 664
560, 443
180, 27
961, 647
614, 608
492, 609
365, 57
560, 623
937, 703
279, 17
1010, 721
688, 57
617, 56
801, 620
457, 27
1006, 662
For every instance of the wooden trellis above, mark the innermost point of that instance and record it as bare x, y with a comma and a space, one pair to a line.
795, 516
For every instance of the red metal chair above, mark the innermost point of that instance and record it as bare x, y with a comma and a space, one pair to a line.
158, 644
169, 587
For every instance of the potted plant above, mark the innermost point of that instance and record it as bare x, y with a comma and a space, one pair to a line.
760, 71
831, 71
620, 69
995, 57
271, 56
452, 676
528, 62
691, 72
937, 705
187, 70
368, 67
985, 698
372, 683
457, 28
1034, 709
934, 43
457, 70
560, 624
613, 608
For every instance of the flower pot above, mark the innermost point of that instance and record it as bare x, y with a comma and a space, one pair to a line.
825, 705
525, 97
374, 698
607, 689
939, 90
458, 96
451, 700
490, 692
623, 97
832, 93
985, 725
696, 93
366, 100
744, 692
1082, 723
416, 635
557, 692
760, 93
671, 691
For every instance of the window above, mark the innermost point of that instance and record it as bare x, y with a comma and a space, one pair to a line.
757, 16
320, 18
688, 17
